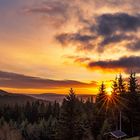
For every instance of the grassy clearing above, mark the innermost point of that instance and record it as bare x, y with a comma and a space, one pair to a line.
134, 138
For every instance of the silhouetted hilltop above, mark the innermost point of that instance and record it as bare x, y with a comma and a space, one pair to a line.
13, 98
2, 92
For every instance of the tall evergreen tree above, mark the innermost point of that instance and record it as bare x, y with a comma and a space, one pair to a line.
115, 87
102, 89
101, 96
133, 85
115, 104
133, 101
101, 108
70, 124
121, 85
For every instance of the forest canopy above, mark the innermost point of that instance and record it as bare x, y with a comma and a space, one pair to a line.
75, 118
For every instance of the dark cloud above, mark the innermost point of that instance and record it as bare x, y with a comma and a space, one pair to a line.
76, 37
14, 80
125, 63
115, 38
83, 41
108, 24
113, 28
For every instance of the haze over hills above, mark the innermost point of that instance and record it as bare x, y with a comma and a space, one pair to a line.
49, 97
12, 98
59, 97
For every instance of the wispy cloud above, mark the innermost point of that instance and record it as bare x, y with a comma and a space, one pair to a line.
77, 59
55, 11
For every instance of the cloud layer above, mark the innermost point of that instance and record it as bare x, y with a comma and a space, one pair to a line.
62, 39
112, 25
125, 63
111, 28
14, 80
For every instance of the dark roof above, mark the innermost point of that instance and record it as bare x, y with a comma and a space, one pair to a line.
118, 134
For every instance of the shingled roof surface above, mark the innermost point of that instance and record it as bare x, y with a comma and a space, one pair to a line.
118, 134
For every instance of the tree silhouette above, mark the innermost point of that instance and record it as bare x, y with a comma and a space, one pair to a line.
101, 97
121, 85
70, 124
133, 85
115, 86
75, 119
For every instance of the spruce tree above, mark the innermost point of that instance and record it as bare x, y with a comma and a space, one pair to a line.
133, 102
115, 104
102, 89
102, 95
121, 85
115, 87
101, 107
70, 123
132, 86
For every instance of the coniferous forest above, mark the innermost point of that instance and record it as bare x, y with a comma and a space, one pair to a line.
75, 118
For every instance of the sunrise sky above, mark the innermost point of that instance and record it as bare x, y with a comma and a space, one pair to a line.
52, 45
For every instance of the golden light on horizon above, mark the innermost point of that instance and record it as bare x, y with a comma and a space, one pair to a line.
66, 42
109, 91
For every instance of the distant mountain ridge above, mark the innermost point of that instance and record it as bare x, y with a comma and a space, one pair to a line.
13, 98
2, 92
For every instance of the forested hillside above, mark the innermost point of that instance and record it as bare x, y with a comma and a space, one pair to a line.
75, 119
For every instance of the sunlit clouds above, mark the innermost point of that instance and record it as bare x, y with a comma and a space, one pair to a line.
61, 40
